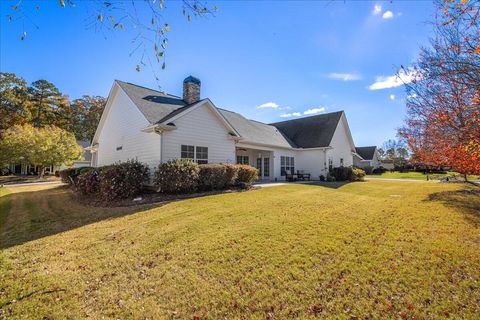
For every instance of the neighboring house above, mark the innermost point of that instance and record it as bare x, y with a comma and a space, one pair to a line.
87, 156
153, 127
366, 157
30, 169
387, 164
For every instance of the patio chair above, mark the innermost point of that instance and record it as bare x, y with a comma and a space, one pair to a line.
302, 175
290, 176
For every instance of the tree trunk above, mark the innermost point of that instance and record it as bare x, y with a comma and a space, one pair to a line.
41, 173
465, 176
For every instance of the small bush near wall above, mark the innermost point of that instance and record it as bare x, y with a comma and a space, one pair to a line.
122, 180
177, 176
216, 176
246, 174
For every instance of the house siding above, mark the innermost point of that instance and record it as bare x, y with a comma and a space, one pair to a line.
313, 162
200, 127
341, 146
122, 128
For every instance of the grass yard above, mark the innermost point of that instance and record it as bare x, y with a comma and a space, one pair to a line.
377, 249
418, 175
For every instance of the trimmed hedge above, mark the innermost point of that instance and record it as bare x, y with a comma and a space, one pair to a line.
246, 174
177, 176
114, 182
183, 176
88, 183
70, 175
348, 174
216, 176
122, 180
342, 173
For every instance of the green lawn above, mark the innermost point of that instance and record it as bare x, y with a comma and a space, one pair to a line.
376, 249
418, 175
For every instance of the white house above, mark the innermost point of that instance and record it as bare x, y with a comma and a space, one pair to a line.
366, 157
153, 127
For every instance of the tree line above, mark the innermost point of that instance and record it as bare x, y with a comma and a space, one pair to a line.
443, 100
39, 125
42, 104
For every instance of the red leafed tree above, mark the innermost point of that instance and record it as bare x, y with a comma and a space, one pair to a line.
443, 102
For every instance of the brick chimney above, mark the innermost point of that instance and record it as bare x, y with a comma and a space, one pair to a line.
191, 90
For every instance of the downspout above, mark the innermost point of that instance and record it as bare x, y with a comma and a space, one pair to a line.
161, 146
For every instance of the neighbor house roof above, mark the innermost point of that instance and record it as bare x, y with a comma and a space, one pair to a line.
366, 153
86, 154
154, 104
311, 132
256, 132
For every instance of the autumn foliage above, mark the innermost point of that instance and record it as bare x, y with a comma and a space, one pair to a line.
443, 102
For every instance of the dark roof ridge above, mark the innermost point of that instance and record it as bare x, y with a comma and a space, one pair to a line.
309, 117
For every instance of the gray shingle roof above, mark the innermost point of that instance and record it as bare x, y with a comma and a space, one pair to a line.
366, 152
254, 131
311, 132
153, 104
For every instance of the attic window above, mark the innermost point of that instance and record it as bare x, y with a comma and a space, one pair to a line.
171, 124
119, 148
232, 134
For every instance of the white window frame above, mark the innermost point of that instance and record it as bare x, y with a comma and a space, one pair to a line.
199, 156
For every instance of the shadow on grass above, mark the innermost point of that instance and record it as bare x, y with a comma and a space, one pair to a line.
467, 201
32, 215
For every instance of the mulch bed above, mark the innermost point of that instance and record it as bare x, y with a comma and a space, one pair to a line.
151, 197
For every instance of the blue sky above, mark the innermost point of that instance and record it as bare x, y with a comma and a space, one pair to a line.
292, 58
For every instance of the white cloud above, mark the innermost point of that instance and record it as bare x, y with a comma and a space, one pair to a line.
314, 110
393, 81
392, 97
344, 76
387, 15
289, 115
268, 105
377, 9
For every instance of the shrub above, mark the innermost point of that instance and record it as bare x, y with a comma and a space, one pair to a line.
70, 175
177, 176
330, 178
379, 170
246, 174
357, 174
367, 169
121, 180
322, 177
342, 173
67, 175
232, 173
216, 176
88, 183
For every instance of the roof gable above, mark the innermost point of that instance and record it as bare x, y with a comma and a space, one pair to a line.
311, 132
256, 132
366, 153
153, 104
